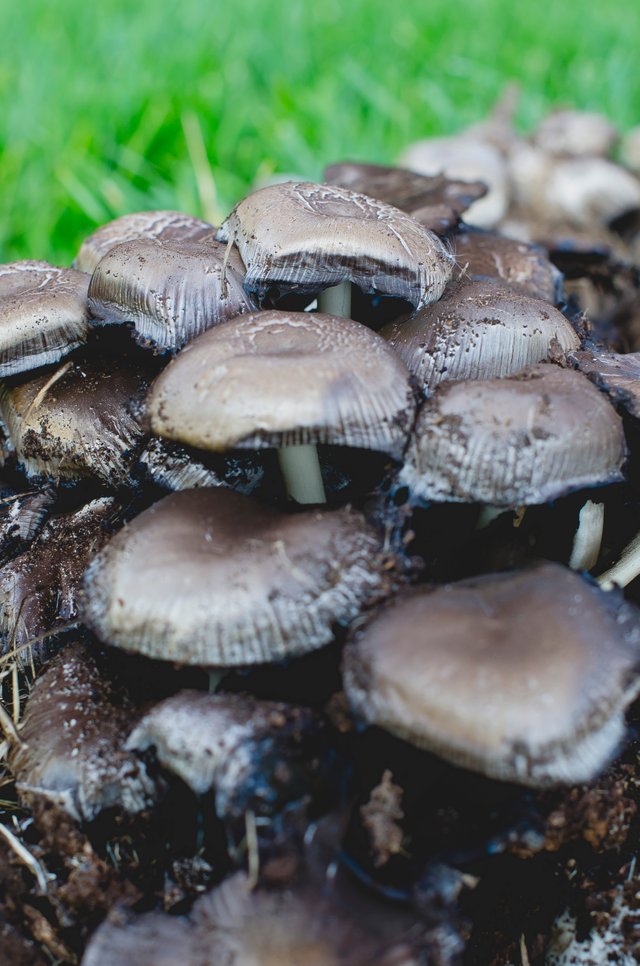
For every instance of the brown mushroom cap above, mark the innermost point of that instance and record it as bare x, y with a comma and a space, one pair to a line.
210, 577
161, 226
479, 330
523, 676
617, 373
73, 732
281, 378
79, 421
302, 237
39, 589
511, 442
43, 314
526, 267
171, 292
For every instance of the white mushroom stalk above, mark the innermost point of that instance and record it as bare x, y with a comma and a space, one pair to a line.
625, 570
588, 537
301, 473
336, 300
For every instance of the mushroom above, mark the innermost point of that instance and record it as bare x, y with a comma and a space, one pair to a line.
43, 314
22, 516
618, 374
209, 577
71, 748
161, 226
524, 267
307, 238
169, 292
175, 467
479, 330
522, 676
576, 134
306, 379
511, 442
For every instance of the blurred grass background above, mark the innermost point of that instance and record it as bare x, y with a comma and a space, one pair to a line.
116, 107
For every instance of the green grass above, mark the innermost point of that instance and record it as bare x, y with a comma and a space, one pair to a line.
113, 107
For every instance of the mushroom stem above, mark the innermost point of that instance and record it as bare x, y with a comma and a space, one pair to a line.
301, 471
625, 570
488, 514
588, 537
336, 300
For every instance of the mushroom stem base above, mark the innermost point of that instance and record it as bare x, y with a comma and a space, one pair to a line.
336, 300
625, 570
588, 537
301, 471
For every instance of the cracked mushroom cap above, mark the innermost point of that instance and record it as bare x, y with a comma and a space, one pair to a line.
161, 226
75, 724
303, 237
479, 330
526, 267
170, 292
522, 676
513, 442
257, 755
209, 577
43, 314
79, 421
283, 378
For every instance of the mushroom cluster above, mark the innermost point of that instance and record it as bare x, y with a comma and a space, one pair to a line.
312, 648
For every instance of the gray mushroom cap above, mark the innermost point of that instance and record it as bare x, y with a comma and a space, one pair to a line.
73, 731
281, 378
43, 314
209, 577
303, 237
79, 421
523, 676
479, 330
512, 442
161, 226
525, 267
22, 516
576, 133
171, 292
617, 373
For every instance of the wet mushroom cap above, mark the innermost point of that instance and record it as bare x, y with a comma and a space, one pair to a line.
276, 378
80, 420
161, 226
209, 577
303, 237
43, 315
479, 330
511, 442
523, 676
526, 267
170, 292
73, 731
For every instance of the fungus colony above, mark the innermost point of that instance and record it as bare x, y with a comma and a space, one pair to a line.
313, 535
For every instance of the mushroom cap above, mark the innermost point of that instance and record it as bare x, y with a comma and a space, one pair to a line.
39, 589
80, 421
523, 676
43, 314
281, 378
303, 237
210, 577
479, 330
591, 190
526, 267
576, 133
630, 150
22, 516
73, 731
468, 158
171, 292
257, 755
513, 442
615, 372
161, 226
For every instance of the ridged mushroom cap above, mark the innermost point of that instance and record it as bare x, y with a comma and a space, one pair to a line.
278, 378
526, 267
479, 330
73, 731
615, 372
79, 421
523, 676
170, 292
512, 442
303, 237
576, 133
210, 577
43, 314
161, 226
